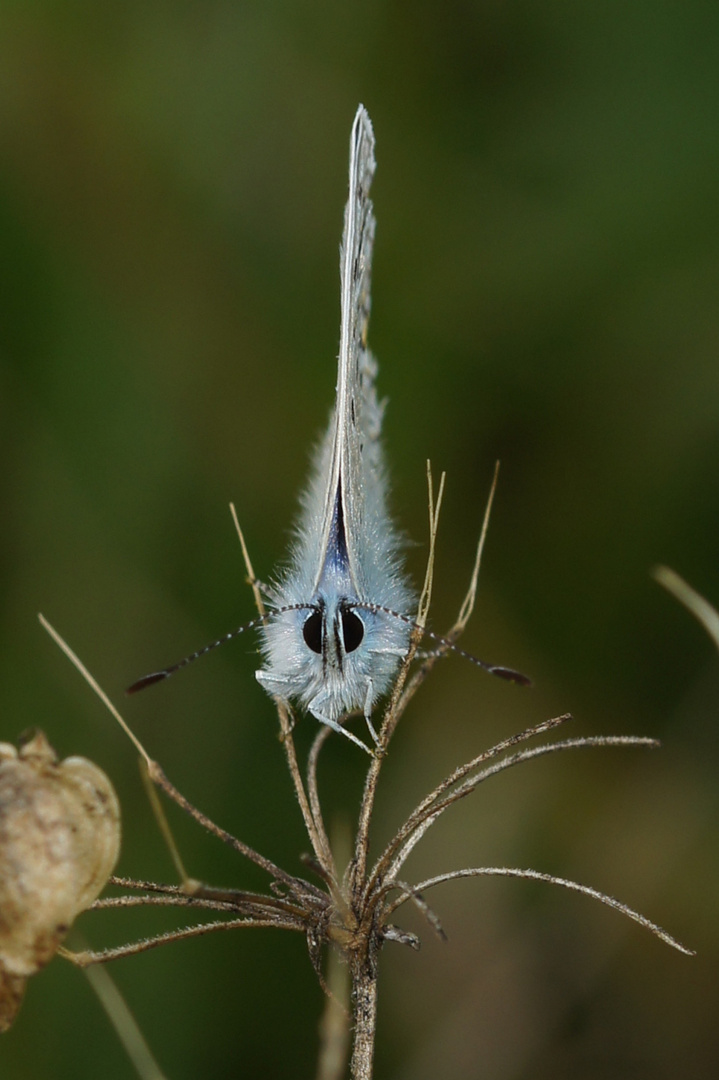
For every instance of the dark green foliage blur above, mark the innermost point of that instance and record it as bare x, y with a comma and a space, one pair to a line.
546, 292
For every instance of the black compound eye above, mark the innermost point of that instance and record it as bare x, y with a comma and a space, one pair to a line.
312, 631
352, 630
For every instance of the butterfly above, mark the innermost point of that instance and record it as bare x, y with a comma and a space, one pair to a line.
334, 644
338, 626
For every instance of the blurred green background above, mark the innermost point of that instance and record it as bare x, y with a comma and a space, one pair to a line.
172, 179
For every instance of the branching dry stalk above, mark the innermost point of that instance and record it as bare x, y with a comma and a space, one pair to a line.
348, 917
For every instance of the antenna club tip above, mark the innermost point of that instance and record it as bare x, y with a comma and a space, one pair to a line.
146, 680
511, 676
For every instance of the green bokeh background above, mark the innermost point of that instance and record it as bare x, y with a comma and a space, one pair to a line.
172, 178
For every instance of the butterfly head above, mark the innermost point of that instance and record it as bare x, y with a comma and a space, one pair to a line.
334, 656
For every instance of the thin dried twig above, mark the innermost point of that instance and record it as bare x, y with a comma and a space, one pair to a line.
251, 577
315, 830
536, 875
428, 817
158, 777
318, 742
163, 824
454, 777
202, 896
233, 901
414, 894
465, 610
149, 886
397, 704
425, 599
152, 900
295, 884
87, 957
394, 709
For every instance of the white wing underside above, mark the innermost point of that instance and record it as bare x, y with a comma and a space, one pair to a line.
346, 551
354, 471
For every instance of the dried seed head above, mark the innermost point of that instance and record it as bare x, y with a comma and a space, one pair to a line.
59, 841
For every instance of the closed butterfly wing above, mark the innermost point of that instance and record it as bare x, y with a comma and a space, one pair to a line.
337, 655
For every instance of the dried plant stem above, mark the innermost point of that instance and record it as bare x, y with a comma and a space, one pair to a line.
87, 957
319, 740
405, 688
465, 611
150, 900
394, 709
314, 826
251, 577
364, 1010
313, 823
536, 875
421, 822
429, 803
159, 778
164, 825
231, 900
467, 607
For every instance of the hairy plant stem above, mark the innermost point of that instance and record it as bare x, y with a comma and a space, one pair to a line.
363, 971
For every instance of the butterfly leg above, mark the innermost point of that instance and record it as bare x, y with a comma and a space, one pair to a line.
336, 726
368, 712
277, 688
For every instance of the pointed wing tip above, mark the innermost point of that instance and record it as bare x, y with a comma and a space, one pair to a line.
362, 122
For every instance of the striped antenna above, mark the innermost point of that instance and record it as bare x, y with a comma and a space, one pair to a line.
494, 669
158, 676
